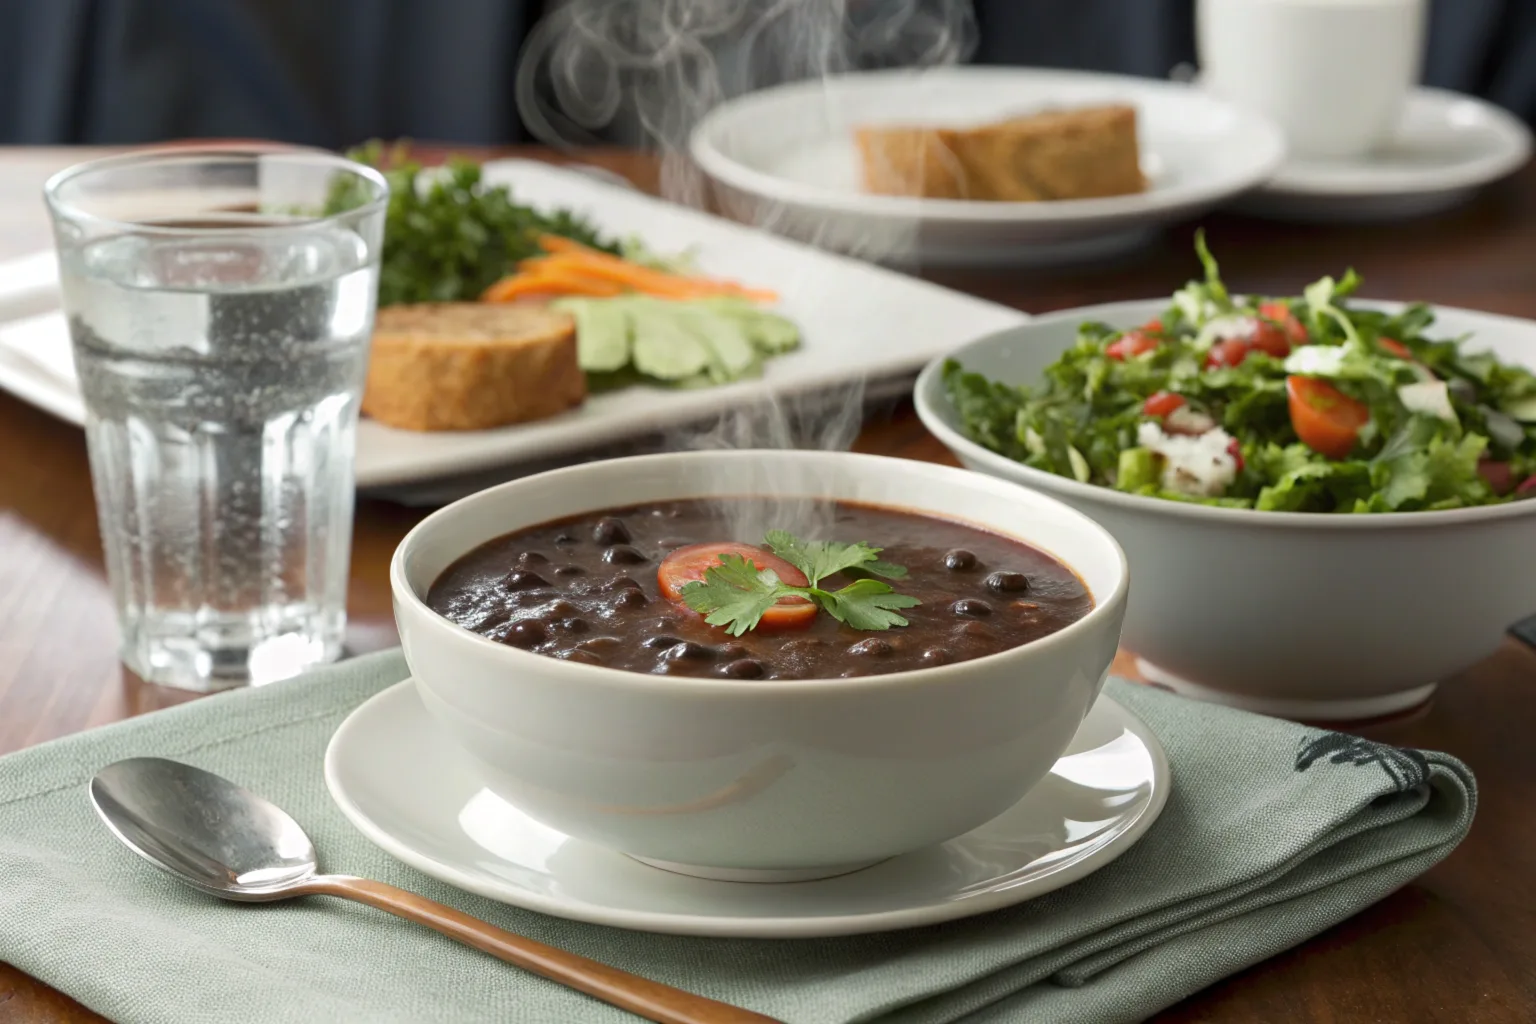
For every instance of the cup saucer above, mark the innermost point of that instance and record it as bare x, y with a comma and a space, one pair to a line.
409, 791
1447, 145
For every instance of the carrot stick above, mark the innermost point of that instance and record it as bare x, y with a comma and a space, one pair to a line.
643, 279
522, 285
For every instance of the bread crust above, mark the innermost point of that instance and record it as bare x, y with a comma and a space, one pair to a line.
1069, 154
471, 366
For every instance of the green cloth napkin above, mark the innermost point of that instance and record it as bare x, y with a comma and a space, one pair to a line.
1273, 832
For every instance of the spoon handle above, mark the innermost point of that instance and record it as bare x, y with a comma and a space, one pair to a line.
649, 999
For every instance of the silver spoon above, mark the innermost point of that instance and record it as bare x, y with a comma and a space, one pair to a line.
231, 843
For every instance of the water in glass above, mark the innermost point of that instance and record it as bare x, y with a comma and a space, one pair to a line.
221, 373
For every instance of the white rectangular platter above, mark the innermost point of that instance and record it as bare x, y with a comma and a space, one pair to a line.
860, 322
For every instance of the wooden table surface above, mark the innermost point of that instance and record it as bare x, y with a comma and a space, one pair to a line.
1459, 945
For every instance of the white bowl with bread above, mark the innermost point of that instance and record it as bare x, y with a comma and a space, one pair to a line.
977, 165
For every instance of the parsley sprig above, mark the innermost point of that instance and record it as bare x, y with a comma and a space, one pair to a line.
735, 594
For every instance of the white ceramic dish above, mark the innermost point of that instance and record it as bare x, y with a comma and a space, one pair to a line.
785, 158
1304, 616
1446, 147
779, 780
408, 789
859, 322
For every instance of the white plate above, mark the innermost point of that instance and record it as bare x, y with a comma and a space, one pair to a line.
859, 322
1446, 146
786, 159
407, 789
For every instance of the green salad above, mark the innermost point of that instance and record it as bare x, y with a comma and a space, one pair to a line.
1299, 404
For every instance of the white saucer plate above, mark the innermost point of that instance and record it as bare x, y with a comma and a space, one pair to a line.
785, 159
1447, 146
408, 790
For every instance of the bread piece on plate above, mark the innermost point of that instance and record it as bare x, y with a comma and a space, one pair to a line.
471, 366
1066, 154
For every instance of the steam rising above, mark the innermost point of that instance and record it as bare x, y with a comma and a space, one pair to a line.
660, 65
651, 69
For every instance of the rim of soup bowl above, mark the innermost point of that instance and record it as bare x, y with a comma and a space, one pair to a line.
932, 412
1104, 606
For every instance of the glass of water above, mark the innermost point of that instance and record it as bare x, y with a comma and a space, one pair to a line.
220, 305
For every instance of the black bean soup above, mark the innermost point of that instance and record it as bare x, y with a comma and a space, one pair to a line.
586, 589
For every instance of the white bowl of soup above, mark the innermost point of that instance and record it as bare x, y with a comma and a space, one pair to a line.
581, 639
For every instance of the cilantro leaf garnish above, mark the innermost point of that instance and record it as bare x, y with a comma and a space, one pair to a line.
733, 594
866, 604
820, 559
736, 594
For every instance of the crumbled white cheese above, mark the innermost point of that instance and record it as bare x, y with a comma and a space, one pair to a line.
1430, 397
1198, 466
1316, 360
1225, 327
1192, 304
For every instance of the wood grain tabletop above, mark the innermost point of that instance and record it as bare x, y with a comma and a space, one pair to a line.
1458, 945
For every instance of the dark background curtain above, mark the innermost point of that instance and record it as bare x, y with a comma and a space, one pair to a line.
336, 72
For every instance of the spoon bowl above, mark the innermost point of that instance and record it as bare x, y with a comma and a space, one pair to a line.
224, 840
204, 829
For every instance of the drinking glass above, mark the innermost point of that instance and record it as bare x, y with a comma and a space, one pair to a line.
220, 305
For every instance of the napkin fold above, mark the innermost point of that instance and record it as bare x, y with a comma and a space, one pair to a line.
1272, 833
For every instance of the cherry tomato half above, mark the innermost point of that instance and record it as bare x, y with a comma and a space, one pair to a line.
1229, 352
687, 564
1326, 419
1394, 347
1235, 449
1281, 316
1161, 404
1132, 343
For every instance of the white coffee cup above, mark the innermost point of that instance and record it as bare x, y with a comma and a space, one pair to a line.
1333, 74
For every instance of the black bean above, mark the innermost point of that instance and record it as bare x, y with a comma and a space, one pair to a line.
971, 608
631, 598
600, 644
660, 625
731, 652
565, 539
575, 624
558, 609
974, 630
959, 560
804, 644
522, 579
528, 598
743, 668
531, 558
569, 570
577, 654
689, 650
623, 554
526, 633
1007, 582
489, 620
934, 656
620, 583
873, 646
661, 640
610, 530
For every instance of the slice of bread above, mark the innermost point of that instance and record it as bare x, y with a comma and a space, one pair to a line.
471, 366
1066, 154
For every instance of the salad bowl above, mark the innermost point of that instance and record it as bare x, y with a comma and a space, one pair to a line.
1300, 614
